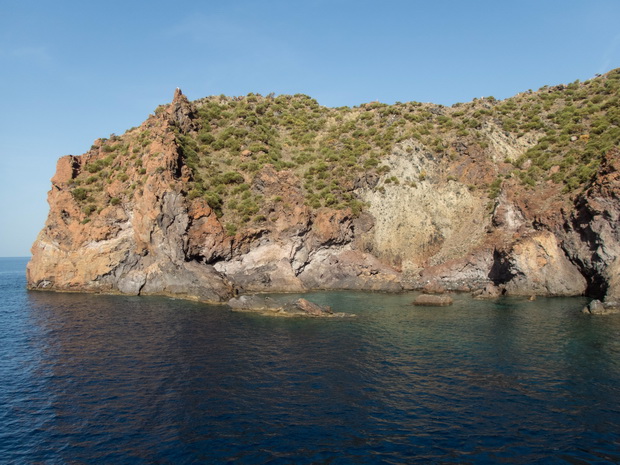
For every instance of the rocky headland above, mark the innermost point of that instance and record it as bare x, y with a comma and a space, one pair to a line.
223, 196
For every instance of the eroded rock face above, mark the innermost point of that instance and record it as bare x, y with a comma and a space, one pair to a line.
426, 225
536, 265
137, 246
591, 231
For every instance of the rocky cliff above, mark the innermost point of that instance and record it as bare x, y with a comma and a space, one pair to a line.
220, 196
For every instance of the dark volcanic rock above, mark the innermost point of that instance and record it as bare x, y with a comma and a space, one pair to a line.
591, 233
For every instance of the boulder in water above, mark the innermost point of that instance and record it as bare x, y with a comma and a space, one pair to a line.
596, 307
269, 306
433, 300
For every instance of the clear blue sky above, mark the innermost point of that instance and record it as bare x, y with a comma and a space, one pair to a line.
71, 71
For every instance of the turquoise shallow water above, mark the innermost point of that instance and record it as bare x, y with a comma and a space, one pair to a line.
108, 379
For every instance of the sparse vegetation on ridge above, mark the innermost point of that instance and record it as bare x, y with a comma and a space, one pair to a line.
329, 149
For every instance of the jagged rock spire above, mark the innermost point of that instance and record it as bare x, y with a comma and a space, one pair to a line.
177, 95
182, 111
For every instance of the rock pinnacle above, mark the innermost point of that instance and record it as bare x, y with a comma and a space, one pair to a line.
177, 94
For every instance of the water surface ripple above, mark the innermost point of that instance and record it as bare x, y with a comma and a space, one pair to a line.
109, 379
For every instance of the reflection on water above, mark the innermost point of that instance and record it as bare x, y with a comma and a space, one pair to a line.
150, 380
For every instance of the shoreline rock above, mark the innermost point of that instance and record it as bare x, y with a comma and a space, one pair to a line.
293, 308
433, 300
596, 307
490, 292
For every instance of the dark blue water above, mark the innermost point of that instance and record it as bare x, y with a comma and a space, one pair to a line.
116, 380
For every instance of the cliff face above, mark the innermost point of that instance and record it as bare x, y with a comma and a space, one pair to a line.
590, 230
208, 199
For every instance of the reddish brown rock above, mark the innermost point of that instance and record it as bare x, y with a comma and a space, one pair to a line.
67, 168
490, 292
206, 237
135, 244
434, 287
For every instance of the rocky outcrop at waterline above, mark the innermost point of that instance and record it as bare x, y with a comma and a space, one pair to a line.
292, 308
433, 300
596, 307
223, 196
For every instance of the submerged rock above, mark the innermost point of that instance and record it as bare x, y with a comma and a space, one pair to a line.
596, 307
268, 306
305, 307
433, 300
252, 303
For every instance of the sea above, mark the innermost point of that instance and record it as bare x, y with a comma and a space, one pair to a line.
96, 379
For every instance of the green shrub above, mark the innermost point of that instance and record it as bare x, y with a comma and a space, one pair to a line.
232, 177
328, 149
88, 209
79, 194
495, 188
94, 167
215, 202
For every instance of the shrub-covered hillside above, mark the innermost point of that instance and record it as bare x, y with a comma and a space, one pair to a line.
564, 131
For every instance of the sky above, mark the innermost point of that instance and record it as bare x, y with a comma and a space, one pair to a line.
71, 72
